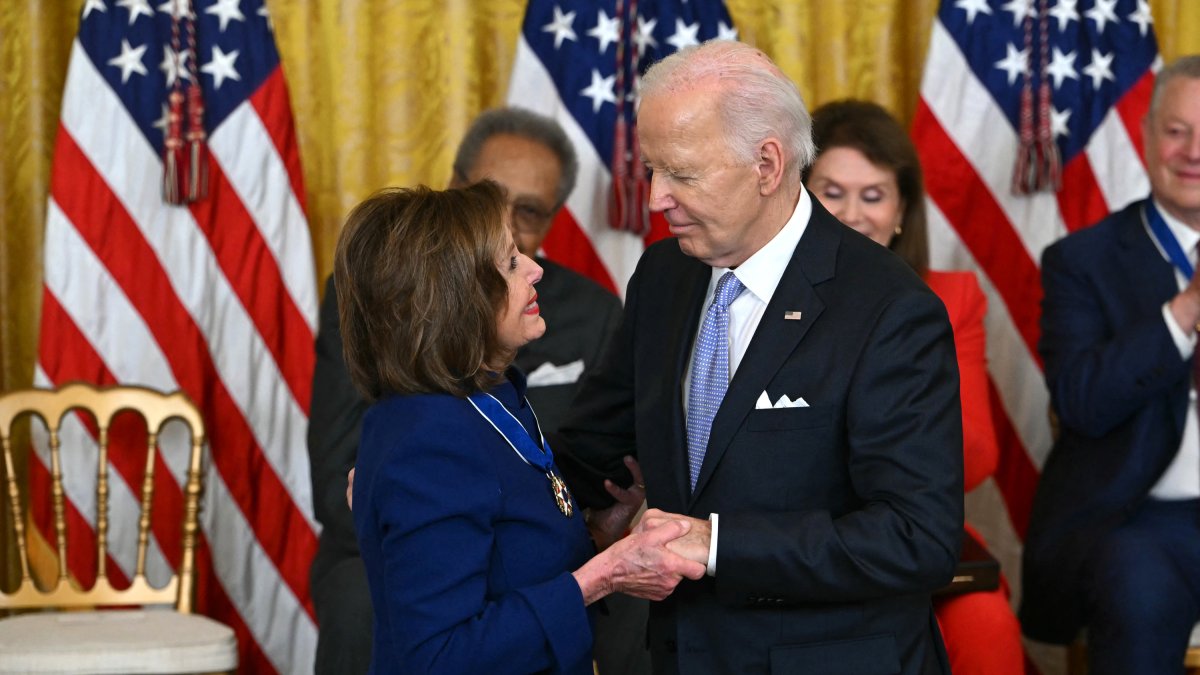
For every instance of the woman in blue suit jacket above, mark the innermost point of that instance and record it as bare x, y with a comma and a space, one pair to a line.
476, 555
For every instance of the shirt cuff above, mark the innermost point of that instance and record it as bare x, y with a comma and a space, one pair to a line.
1184, 342
711, 568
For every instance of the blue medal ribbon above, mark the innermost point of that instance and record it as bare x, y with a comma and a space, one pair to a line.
518, 438
1168, 242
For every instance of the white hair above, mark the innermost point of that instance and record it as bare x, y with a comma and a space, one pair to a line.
756, 100
1184, 66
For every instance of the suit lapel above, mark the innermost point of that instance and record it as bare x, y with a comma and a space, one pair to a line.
1143, 259
684, 320
1141, 255
776, 338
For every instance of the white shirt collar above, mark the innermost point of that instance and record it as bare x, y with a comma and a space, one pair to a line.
761, 272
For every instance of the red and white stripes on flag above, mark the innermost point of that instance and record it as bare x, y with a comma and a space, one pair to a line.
1098, 59
216, 298
578, 63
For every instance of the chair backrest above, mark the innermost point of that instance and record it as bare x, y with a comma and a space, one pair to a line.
55, 406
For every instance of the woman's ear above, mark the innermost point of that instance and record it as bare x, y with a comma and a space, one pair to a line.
896, 226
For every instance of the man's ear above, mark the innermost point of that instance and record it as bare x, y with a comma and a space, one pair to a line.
770, 166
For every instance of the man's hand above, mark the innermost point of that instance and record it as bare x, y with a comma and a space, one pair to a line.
609, 525
693, 545
1185, 306
350, 489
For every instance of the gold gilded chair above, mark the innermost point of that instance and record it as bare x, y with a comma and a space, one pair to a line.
1191, 658
143, 628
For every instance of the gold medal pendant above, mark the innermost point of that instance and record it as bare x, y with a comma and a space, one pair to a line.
522, 442
562, 496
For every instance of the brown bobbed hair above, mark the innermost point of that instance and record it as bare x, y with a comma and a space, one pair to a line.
419, 291
871, 130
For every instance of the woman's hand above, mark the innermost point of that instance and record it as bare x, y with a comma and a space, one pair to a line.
639, 565
609, 525
350, 489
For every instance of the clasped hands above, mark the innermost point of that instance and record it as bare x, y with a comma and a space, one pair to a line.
650, 562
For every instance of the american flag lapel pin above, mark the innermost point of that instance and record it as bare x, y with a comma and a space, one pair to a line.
793, 315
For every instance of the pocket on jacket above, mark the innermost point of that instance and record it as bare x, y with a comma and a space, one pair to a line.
779, 419
874, 655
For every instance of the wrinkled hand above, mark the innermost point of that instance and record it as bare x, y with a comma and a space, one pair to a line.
693, 545
1185, 306
350, 489
609, 525
639, 565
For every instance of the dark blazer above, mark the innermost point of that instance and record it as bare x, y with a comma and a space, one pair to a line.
580, 319
966, 306
837, 520
1120, 390
469, 558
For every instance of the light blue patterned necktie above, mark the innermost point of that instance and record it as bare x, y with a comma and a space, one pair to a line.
710, 371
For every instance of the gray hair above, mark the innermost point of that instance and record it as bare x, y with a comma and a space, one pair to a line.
757, 100
1184, 66
525, 124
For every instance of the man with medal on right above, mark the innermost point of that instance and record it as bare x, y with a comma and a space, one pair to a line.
1113, 545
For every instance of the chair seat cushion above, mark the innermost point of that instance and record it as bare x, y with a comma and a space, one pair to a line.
115, 641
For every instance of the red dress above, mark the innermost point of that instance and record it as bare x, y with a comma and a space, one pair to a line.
980, 630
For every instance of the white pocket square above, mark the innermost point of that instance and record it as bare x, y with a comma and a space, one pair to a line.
549, 374
764, 402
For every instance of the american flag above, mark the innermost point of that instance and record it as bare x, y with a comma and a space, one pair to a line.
1097, 59
577, 62
216, 298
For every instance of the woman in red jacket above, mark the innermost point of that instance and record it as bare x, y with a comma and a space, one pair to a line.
868, 175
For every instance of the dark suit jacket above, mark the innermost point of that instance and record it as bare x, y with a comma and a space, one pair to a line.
966, 306
1120, 390
837, 520
580, 318
469, 558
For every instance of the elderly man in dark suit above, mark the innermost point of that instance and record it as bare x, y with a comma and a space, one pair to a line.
787, 385
531, 157
1114, 538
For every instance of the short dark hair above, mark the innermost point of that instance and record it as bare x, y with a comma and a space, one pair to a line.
419, 290
871, 130
524, 124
